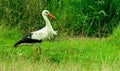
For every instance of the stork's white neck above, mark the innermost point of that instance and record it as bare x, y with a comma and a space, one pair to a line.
48, 24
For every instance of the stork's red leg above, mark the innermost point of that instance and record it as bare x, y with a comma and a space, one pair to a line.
35, 54
40, 52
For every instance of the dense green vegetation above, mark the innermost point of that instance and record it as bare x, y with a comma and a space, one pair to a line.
74, 17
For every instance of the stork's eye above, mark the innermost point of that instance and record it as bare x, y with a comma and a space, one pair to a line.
47, 12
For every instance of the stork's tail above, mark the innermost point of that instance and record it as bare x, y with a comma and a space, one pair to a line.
18, 43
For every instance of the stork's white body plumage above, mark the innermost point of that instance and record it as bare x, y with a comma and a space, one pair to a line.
44, 33
38, 36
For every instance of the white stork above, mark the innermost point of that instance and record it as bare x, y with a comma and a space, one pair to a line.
38, 36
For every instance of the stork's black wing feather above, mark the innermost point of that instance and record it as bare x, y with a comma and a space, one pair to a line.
27, 39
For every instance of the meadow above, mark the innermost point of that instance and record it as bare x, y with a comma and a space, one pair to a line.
88, 35
62, 54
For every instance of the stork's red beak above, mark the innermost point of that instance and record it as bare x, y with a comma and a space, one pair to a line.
50, 15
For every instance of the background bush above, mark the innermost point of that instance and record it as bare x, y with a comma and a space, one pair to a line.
74, 17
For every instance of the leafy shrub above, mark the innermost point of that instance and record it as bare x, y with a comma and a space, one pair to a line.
101, 16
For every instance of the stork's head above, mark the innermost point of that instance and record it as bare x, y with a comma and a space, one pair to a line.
47, 13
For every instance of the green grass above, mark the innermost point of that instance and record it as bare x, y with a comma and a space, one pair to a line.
45, 66
63, 54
